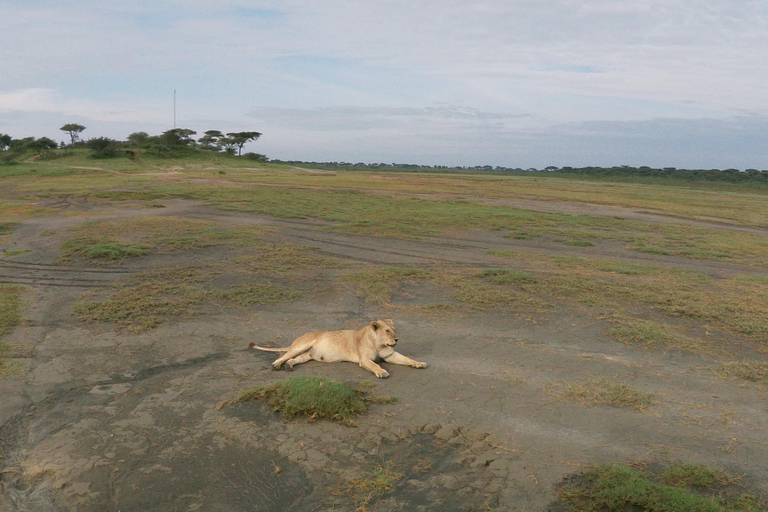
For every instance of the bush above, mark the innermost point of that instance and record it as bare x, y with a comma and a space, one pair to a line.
104, 147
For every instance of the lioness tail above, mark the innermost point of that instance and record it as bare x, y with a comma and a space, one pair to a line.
267, 349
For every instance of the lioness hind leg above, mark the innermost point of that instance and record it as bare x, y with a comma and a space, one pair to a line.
303, 358
299, 346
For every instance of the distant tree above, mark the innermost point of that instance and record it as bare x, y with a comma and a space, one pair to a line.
211, 140
228, 144
178, 137
5, 141
138, 139
74, 130
42, 145
103, 147
240, 139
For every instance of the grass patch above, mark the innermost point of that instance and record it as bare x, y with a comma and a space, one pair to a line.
16, 252
652, 333
579, 243
143, 306
6, 228
680, 488
283, 259
10, 308
506, 276
650, 250
379, 480
377, 285
746, 370
128, 238
258, 293
314, 398
603, 391
90, 249
691, 475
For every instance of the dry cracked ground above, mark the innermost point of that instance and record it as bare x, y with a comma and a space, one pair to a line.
125, 370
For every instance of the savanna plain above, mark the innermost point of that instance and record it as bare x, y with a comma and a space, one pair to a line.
592, 345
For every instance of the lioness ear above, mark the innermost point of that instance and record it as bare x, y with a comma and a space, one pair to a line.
390, 322
375, 325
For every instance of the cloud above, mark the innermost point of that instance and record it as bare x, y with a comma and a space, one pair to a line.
353, 118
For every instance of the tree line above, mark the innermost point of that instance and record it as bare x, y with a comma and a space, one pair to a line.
174, 143
623, 172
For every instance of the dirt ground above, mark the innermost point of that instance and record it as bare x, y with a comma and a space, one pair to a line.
106, 419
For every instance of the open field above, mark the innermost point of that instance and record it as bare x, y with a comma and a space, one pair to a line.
588, 342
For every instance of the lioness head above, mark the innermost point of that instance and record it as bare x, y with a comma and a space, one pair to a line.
384, 332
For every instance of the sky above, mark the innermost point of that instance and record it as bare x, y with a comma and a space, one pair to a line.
514, 83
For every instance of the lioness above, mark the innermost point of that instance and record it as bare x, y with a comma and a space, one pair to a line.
375, 340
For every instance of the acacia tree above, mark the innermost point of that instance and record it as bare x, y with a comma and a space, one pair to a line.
74, 130
240, 139
211, 140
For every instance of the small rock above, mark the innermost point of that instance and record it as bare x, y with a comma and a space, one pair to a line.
418, 484
499, 465
449, 481
447, 432
430, 428
484, 459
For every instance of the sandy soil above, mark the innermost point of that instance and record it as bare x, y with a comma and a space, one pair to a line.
110, 420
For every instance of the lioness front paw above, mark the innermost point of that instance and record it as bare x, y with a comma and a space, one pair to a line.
420, 365
383, 374
277, 367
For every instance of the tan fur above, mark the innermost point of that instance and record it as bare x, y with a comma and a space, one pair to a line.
374, 341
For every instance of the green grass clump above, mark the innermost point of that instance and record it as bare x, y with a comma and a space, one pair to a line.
618, 488
747, 370
258, 293
110, 251
136, 237
652, 333
602, 391
312, 397
691, 475
506, 275
377, 482
377, 285
6, 228
283, 259
10, 308
144, 306
579, 243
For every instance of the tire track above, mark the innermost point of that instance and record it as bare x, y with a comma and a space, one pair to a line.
41, 274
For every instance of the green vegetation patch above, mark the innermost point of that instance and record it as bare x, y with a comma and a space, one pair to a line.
283, 259
6, 228
379, 480
314, 398
603, 391
258, 293
680, 488
652, 333
128, 238
143, 306
150, 298
506, 276
746, 370
10, 307
579, 243
378, 284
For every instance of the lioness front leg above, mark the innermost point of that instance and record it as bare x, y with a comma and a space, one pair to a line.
398, 358
373, 367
